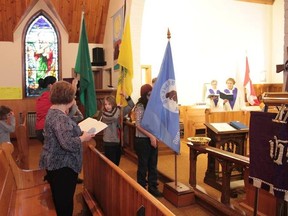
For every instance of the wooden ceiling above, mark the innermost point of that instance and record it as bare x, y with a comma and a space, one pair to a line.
68, 12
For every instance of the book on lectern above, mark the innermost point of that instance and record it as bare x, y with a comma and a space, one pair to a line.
223, 127
239, 125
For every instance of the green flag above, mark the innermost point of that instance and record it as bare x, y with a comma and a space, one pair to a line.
83, 67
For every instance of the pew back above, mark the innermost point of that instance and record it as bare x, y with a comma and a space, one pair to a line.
115, 192
22, 143
22, 192
7, 185
227, 116
193, 119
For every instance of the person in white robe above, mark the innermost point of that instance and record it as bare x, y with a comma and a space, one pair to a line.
238, 101
213, 99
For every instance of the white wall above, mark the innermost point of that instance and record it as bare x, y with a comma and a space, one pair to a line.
210, 39
278, 55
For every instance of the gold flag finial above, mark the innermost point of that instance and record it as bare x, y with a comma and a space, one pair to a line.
168, 34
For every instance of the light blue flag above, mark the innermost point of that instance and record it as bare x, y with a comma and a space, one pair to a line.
161, 117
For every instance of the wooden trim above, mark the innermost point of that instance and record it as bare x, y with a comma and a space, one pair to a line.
22, 143
112, 187
228, 161
24, 33
93, 206
269, 2
24, 178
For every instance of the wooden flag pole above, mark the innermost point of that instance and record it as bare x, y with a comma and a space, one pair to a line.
177, 193
176, 169
121, 108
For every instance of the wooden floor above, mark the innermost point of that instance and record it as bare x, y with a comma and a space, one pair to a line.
166, 164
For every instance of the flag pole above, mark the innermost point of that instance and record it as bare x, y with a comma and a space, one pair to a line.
175, 170
172, 191
122, 88
121, 108
175, 155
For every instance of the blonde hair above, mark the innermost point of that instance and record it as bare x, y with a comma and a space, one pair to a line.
214, 81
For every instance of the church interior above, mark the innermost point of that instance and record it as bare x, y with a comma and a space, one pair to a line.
225, 180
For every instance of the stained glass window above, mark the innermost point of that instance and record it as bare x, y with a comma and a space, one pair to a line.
41, 54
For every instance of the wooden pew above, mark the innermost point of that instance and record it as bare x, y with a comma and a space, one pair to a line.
19, 106
22, 143
129, 142
227, 116
193, 119
23, 192
108, 190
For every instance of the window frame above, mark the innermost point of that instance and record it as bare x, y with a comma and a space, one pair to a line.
24, 62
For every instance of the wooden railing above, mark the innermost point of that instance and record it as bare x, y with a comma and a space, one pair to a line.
227, 160
108, 190
266, 202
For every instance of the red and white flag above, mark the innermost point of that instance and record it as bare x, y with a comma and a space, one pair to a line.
250, 92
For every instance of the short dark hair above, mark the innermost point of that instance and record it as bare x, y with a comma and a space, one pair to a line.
4, 111
43, 83
62, 92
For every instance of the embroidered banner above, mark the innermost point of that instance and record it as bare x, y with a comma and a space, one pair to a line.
268, 154
118, 23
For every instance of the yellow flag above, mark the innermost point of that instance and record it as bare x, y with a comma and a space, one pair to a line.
125, 61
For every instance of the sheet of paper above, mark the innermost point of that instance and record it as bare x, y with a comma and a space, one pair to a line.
90, 124
223, 127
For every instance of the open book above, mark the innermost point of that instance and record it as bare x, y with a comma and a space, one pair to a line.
92, 125
212, 95
221, 127
226, 96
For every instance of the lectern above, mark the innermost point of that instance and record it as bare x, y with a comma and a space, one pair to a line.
226, 138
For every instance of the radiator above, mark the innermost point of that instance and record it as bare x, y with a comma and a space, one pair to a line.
31, 120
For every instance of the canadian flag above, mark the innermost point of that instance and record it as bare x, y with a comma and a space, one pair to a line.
250, 92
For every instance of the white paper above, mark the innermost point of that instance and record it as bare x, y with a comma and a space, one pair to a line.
90, 124
223, 126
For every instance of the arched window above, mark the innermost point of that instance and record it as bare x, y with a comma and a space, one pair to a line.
41, 53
